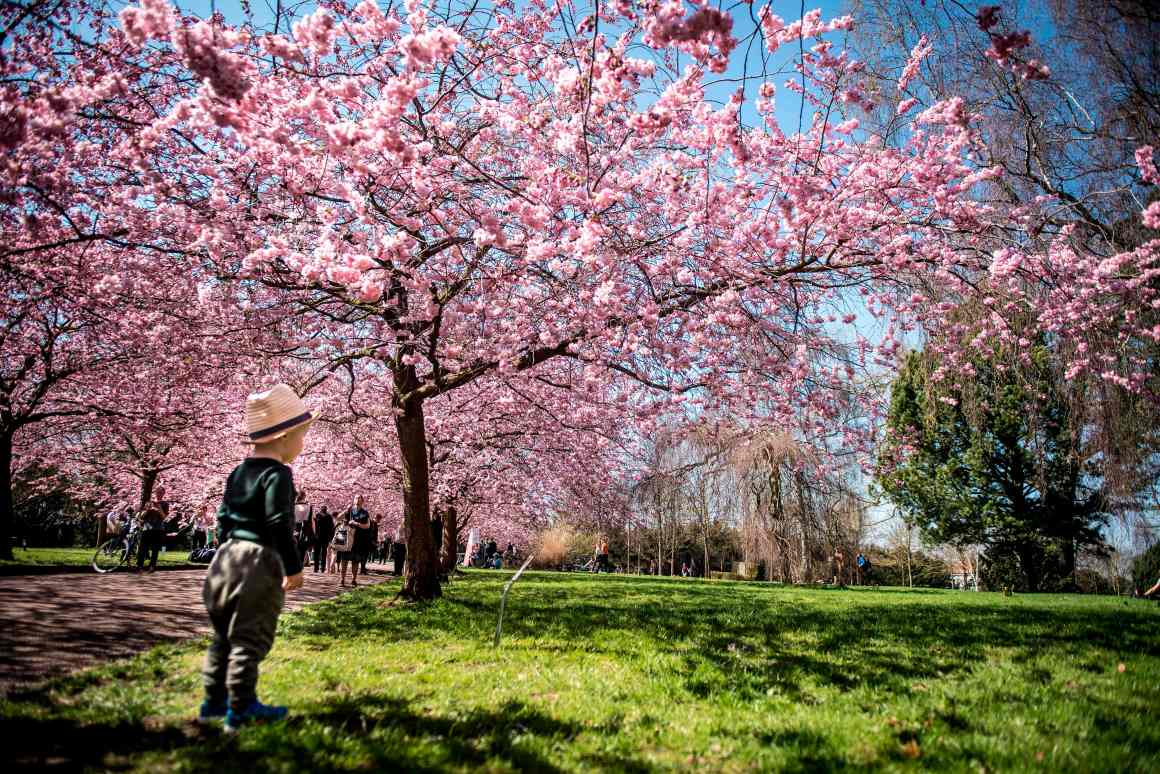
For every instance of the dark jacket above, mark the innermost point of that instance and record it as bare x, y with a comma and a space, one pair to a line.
362, 537
323, 528
259, 506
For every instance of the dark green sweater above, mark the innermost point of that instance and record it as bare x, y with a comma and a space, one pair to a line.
259, 507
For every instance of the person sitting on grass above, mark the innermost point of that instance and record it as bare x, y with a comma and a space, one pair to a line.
257, 562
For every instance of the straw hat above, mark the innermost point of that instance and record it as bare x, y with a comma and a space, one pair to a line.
274, 413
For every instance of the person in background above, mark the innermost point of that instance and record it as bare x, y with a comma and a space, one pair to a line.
323, 533
437, 534
399, 552
161, 502
838, 558
152, 535
307, 540
343, 544
601, 555
206, 523
372, 543
360, 521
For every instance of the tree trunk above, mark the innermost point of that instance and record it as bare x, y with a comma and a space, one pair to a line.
1030, 568
6, 516
705, 566
450, 540
1068, 569
421, 570
660, 545
148, 481
909, 571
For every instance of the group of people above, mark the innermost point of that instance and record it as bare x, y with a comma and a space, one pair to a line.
146, 525
332, 542
486, 553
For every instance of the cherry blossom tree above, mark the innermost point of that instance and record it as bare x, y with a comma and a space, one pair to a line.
461, 197
438, 200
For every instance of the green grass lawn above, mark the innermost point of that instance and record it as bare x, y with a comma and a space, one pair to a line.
74, 557
643, 674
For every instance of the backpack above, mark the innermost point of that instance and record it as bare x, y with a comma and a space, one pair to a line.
343, 539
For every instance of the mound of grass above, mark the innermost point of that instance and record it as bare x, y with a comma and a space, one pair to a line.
644, 674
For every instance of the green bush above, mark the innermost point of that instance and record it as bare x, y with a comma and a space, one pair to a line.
1146, 568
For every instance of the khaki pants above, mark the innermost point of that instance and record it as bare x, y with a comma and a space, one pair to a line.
243, 594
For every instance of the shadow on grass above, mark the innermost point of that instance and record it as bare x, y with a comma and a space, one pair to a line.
369, 731
769, 642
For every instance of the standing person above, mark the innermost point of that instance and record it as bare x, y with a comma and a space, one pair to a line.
152, 535
257, 563
303, 510
307, 540
399, 552
323, 533
376, 552
838, 557
601, 554
492, 548
112, 521
205, 520
472, 545
437, 537
343, 545
360, 520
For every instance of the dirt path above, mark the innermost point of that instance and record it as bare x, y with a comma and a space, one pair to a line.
54, 624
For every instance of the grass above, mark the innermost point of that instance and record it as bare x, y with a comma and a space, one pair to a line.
641, 675
74, 557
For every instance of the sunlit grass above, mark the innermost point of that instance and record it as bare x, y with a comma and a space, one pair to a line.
76, 557
639, 674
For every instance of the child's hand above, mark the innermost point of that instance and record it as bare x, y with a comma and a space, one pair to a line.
291, 582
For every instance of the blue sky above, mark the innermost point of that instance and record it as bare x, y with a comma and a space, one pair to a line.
788, 102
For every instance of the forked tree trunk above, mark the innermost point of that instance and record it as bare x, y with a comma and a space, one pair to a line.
421, 570
6, 515
148, 482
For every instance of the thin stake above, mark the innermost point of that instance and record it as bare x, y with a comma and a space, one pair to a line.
503, 597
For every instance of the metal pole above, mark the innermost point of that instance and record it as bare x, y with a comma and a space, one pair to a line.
503, 597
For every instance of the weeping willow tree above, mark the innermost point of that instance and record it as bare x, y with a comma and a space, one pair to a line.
795, 518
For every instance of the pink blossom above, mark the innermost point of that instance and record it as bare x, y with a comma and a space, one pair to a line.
429, 47
988, 17
1147, 165
920, 51
150, 20
317, 31
906, 105
1152, 216
1004, 46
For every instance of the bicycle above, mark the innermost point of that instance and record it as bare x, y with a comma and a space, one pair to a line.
116, 551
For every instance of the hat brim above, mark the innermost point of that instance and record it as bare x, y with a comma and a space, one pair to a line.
282, 432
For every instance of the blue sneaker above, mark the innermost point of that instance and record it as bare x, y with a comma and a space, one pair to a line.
257, 712
211, 711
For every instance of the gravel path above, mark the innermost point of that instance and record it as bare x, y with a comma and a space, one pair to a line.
54, 624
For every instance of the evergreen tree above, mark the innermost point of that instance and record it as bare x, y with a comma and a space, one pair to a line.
995, 462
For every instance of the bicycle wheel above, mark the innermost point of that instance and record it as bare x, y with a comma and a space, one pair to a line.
109, 555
